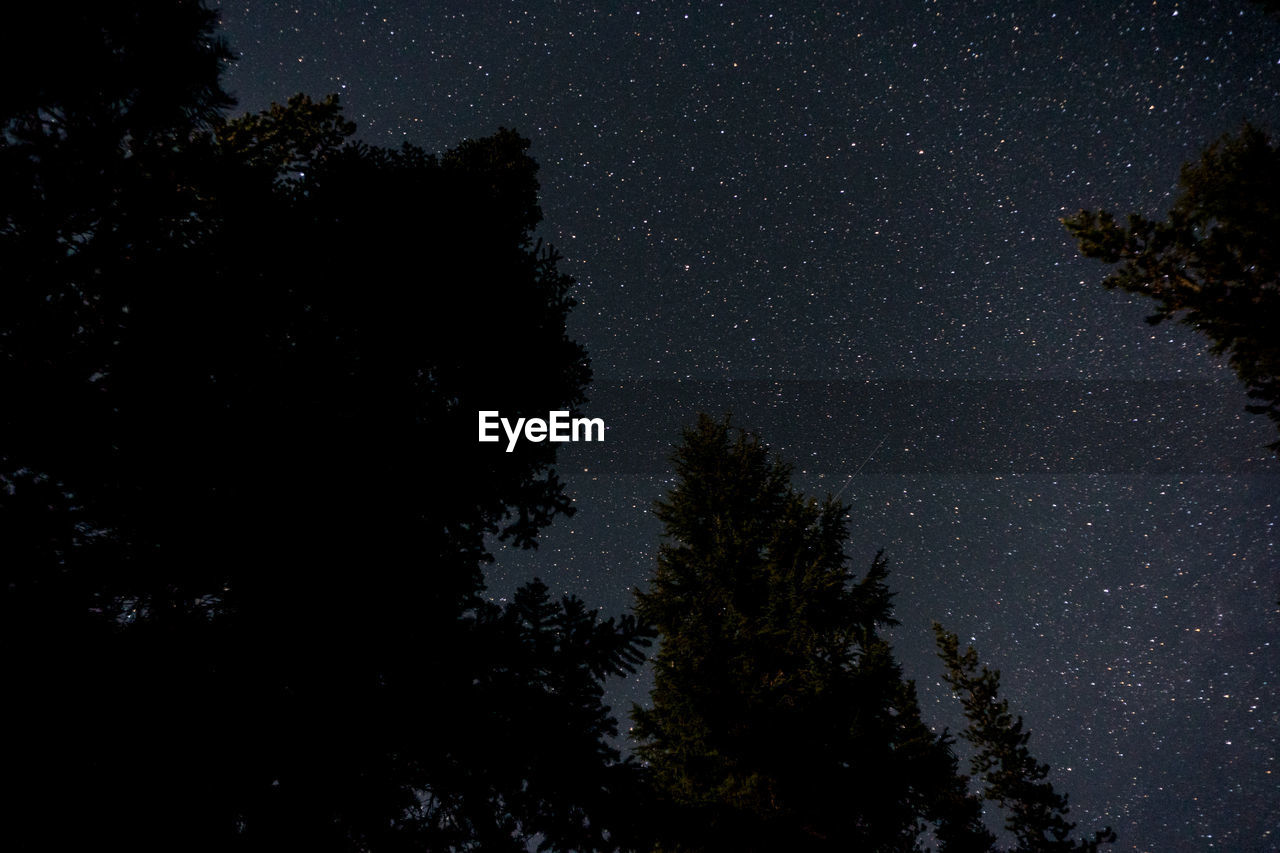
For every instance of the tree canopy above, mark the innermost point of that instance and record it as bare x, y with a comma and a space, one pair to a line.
1214, 262
243, 514
1036, 814
780, 718
242, 507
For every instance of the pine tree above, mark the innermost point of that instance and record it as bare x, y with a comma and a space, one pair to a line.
1014, 779
780, 719
243, 513
1214, 262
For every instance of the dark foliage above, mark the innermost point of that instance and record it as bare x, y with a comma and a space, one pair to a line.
1214, 263
242, 508
1035, 812
780, 719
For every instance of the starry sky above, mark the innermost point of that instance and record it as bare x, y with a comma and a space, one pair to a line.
839, 222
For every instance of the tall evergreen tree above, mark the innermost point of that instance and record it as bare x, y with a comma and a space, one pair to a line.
1036, 814
780, 719
242, 508
1214, 262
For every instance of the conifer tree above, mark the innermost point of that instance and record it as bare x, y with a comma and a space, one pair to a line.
1214, 262
1036, 814
242, 508
780, 719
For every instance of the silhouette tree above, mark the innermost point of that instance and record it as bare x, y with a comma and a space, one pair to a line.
1035, 812
242, 506
558, 773
97, 118
1214, 263
780, 720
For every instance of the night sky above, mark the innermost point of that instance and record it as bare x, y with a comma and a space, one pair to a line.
839, 221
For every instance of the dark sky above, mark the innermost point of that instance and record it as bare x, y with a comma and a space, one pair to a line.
839, 221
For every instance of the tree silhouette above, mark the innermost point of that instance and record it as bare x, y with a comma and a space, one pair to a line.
1214, 263
242, 507
1035, 812
780, 719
